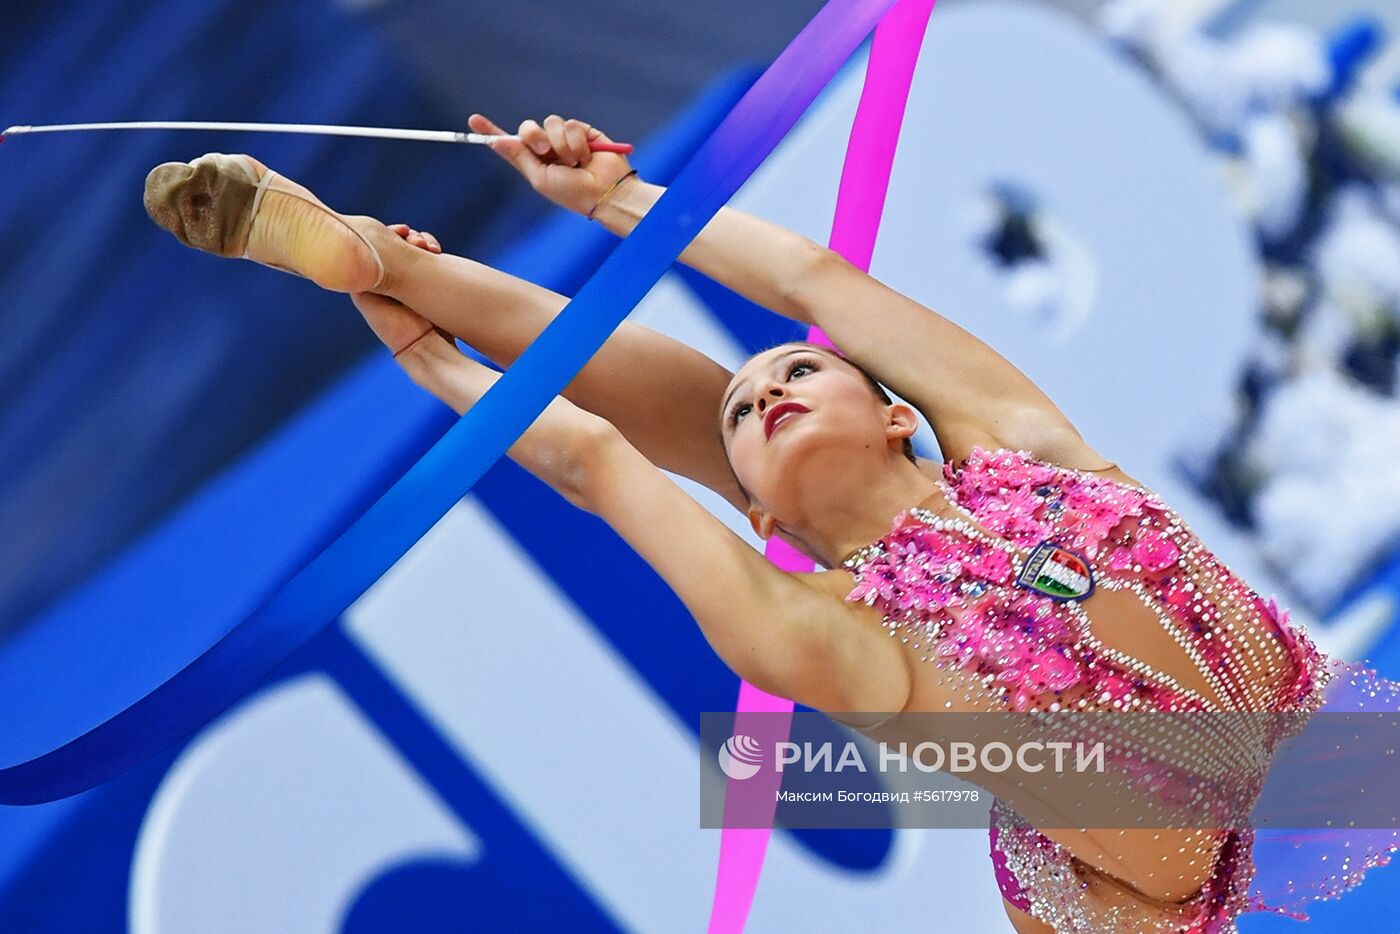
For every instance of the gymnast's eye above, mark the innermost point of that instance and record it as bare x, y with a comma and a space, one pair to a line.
739, 412
801, 366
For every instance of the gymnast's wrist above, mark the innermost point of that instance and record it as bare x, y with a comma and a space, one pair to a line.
621, 208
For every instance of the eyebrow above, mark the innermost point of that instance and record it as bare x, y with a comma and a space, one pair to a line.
724, 409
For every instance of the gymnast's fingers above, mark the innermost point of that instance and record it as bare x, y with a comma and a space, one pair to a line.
512, 150
534, 137
419, 238
576, 133
424, 241
554, 129
480, 123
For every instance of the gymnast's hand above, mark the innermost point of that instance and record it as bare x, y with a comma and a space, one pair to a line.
556, 161
419, 238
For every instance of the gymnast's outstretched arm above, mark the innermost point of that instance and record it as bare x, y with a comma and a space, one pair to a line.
972, 394
776, 630
660, 393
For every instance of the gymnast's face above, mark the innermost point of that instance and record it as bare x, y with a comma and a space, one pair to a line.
792, 413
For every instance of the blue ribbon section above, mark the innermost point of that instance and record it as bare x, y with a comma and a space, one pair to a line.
352, 563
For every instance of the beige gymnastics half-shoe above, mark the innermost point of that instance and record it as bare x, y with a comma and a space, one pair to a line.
234, 206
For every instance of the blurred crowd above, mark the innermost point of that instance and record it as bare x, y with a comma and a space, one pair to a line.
1307, 128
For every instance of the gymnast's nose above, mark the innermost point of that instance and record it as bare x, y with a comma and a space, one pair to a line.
770, 396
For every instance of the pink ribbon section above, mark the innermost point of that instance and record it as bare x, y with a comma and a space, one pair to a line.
860, 201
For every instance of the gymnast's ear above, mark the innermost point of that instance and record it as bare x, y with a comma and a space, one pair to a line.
763, 523
901, 421
765, 526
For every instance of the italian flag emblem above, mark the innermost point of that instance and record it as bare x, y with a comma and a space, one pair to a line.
1057, 573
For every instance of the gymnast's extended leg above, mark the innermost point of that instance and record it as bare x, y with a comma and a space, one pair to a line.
210, 204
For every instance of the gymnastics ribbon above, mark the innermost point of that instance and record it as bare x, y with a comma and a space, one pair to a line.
860, 201
327, 585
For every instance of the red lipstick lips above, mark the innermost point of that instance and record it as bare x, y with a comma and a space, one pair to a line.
778, 412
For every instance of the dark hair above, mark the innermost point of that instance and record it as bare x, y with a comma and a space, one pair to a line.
874, 384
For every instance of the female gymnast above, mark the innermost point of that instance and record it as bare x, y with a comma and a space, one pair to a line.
970, 563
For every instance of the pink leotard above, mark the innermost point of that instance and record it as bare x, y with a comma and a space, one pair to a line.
951, 590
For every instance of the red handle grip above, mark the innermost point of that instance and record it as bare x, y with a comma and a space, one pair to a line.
622, 148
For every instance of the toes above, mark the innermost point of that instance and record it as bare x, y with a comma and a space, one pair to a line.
161, 196
205, 203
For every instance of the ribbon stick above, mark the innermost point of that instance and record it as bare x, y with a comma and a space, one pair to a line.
860, 201
327, 585
319, 129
